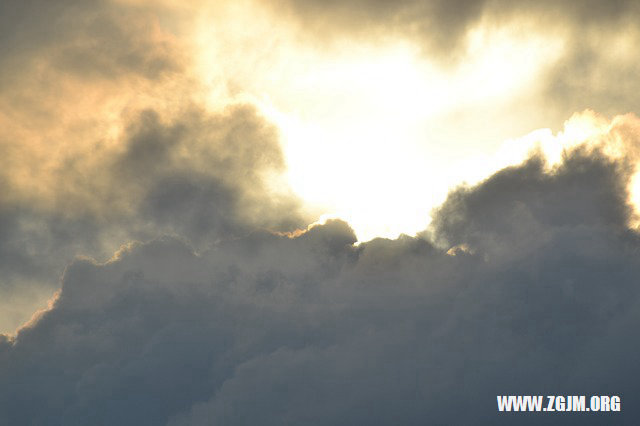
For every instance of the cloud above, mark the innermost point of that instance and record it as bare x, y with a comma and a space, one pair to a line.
200, 176
442, 25
596, 71
107, 139
594, 68
539, 297
90, 39
213, 313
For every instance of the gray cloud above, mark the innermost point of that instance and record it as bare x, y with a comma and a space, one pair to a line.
442, 24
596, 70
104, 141
86, 38
525, 283
200, 176
203, 176
590, 76
275, 330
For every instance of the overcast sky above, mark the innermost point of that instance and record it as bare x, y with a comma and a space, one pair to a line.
312, 212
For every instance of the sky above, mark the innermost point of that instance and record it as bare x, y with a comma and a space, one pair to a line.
317, 212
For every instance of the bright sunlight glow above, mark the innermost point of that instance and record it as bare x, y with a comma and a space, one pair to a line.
366, 127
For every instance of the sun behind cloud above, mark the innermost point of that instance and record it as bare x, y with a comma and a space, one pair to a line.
373, 131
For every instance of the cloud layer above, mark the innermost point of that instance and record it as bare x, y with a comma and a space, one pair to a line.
529, 288
598, 37
223, 307
442, 25
106, 140
201, 176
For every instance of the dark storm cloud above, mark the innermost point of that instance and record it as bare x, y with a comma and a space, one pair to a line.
540, 297
203, 175
525, 283
104, 141
200, 176
501, 209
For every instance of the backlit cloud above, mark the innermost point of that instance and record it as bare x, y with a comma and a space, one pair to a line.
192, 197
313, 329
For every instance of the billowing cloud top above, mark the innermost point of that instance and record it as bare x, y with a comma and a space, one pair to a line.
538, 295
188, 285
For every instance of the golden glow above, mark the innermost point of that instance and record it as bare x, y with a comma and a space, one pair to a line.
615, 138
362, 124
374, 131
